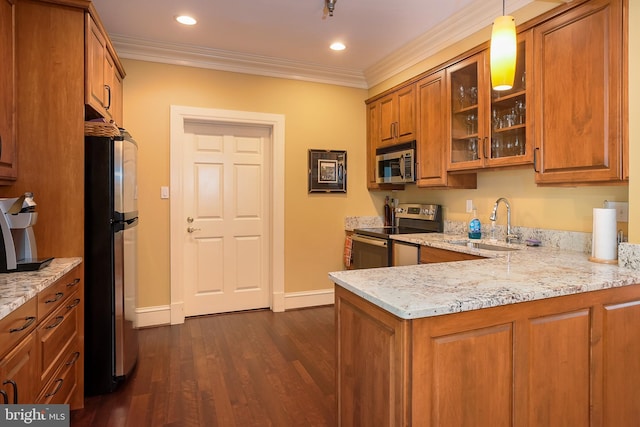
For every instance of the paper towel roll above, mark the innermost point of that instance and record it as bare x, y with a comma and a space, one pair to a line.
604, 242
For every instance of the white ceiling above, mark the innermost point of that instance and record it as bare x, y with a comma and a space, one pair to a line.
291, 38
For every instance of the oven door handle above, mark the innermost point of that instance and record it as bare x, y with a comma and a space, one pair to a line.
369, 241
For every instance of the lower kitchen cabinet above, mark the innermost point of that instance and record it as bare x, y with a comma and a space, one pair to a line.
570, 360
18, 372
430, 255
43, 360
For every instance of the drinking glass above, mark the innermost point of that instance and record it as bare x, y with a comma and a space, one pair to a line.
495, 148
495, 120
471, 124
473, 148
461, 96
520, 111
473, 95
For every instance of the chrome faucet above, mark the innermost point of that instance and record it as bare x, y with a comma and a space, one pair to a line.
510, 237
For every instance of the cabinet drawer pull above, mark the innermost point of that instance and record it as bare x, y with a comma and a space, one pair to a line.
56, 298
5, 398
74, 358
29, 322
73, 304
59, 320
59, 382
15, 390
74, 283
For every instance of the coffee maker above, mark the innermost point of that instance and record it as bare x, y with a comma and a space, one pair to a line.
18, 251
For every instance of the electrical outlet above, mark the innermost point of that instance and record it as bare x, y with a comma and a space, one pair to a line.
622, 210
469, 205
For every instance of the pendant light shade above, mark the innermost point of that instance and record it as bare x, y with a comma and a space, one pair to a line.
503, 53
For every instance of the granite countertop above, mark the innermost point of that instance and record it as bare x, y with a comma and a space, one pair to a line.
524, 274
18, 288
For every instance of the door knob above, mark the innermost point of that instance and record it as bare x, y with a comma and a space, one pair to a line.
191, 229
189, 219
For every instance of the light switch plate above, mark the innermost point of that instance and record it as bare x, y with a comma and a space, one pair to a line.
164, 192
622, 210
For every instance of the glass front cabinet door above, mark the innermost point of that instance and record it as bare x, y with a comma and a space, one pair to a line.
489, 128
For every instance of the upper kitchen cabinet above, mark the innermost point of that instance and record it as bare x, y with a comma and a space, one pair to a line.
432, 136
579, 103
398, 116
374, 141
8, 166
489, 128
104, 74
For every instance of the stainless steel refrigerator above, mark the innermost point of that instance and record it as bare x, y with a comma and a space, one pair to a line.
111, 219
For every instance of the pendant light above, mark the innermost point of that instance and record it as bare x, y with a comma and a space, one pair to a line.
503, 51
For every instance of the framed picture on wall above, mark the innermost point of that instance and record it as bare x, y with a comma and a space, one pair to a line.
327, 171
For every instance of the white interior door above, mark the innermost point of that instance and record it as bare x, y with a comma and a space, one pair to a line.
225, 201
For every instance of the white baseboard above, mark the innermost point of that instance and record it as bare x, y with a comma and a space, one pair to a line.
153, 316
161, 315
308, 299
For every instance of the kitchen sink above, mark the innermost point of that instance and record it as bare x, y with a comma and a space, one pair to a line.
480, 245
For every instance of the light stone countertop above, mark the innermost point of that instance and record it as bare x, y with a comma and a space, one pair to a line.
525, 274
18, 288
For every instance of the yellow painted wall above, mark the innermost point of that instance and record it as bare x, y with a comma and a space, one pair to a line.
317, 116
330, 117
557, 208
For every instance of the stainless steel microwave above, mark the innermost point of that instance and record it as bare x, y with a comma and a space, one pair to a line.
396, 163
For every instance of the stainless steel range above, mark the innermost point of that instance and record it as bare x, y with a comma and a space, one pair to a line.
372, 246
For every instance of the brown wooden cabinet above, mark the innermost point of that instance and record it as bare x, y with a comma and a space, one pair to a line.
103, 81
41, 347
8, 163
372, 364
374, 142
429, 255
432, 136
579, 102
18, 372
18, 360
489, 128
570, 360
398, 116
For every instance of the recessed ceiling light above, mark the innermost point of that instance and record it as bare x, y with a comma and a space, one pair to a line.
337, 46
186, 20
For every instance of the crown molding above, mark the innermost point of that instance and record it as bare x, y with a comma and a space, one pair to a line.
216, 59
476, 17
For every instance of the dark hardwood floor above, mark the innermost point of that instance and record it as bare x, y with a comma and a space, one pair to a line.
255, 368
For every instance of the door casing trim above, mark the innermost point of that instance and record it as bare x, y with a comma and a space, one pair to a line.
274, 121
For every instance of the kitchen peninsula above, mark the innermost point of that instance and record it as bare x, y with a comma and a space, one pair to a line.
529, 337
